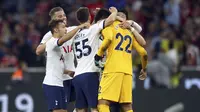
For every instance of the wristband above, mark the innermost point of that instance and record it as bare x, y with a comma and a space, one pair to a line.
132, 29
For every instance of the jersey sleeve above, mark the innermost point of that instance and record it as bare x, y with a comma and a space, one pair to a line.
107, 33
137, 27
46, 37
141, 51
99, 26
54, 43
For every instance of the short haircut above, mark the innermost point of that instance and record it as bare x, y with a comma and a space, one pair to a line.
82, 14
53, 24
124, 11
101, 14
54, 10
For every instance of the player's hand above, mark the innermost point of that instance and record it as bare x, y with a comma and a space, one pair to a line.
85, 25
125, 25
98, 62
120, 19
71, 74
96, 10
112, 9
143, 74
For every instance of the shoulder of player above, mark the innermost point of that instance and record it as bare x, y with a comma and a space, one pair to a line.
52, 40
98, 22
48, 34
46, 37
111, 27
70, 28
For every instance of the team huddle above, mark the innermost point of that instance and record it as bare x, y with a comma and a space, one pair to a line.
91, 84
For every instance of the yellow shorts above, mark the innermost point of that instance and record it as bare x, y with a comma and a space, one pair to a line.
116, 87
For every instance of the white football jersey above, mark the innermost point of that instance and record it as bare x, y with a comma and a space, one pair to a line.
68, 55
86, 44
68, 52
54, 63
46, 37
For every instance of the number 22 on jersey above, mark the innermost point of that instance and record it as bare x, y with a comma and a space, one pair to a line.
122, 39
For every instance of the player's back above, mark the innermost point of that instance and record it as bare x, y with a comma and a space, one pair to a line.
86, 44
119, 53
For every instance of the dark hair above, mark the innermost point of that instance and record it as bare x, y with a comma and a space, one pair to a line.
82, 14
53, 24
54, 10
101, 14
124, 11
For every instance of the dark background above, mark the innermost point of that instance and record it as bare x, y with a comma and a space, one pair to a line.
144, 100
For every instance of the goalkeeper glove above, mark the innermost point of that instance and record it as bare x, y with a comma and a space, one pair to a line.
98, 62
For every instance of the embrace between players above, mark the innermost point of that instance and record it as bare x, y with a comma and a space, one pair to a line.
84, 44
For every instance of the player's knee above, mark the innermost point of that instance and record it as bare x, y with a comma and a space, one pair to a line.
94, 110
126, 106
103, 102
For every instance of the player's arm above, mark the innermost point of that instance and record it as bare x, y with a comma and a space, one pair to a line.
69, 35
105, 44
136, 26
103, 47
132, 23
70, 73
112, 17
138, 37
107, 35
144, 58
41, 47
142, 52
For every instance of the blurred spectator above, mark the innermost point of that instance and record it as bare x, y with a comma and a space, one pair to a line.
165, 23
119, 4
33, 36
192, 54
43, 7
25, 52
18, 75
8, 59
159, 74
5, 32
2, 50
92, 7
172, 12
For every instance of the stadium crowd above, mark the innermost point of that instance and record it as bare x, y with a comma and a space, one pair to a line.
170, 27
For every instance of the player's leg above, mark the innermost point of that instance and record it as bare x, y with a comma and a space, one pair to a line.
72, 95
60, 110
55, 97
81, 101
103, 105
126, 107
81, 110
126, 93
115, 107
69, 92
91, 85
109, 90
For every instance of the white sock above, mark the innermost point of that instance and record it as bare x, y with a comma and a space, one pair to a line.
74, 110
